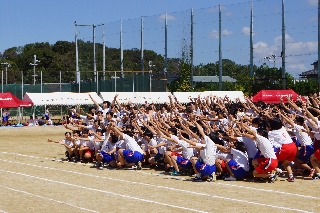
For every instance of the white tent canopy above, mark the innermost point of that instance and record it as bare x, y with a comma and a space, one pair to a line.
137, 97
184, 97
62, 98
162, 97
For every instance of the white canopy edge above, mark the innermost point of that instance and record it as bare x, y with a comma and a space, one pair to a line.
184, 97
162, 97
62, 98
137, 97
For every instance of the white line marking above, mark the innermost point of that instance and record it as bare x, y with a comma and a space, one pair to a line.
164, 187
103, 191
50, 199
3, 211
222, 184
250, 188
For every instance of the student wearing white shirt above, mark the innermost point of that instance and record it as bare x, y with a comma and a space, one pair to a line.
184, 160
133, 154
266, 164
305, 140
204, 166
67, 143
108, 149
287, 150
238, 165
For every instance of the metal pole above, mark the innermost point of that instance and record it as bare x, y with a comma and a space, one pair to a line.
77, 56
2, 80
165, 44
94, 53
6, 74
115, 81
220, 51
121, 50
22, 84
191, 48
97, 82
142, 46
103, 54
251, 42
132, 81
60, 81
283, 49
41, 81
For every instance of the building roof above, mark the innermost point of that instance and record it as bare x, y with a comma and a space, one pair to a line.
212, 79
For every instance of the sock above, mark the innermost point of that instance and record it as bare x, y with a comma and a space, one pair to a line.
318, 174
290, 175
198, 175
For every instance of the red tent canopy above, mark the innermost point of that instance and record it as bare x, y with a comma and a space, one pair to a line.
8, 100
273, 96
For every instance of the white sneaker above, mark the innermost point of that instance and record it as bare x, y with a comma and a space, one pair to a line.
212, 177
230, 178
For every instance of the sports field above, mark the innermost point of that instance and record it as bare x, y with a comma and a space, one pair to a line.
32, 179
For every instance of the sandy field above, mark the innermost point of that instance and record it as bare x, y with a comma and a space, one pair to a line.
33, 179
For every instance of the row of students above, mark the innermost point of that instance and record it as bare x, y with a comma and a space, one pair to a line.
209, 137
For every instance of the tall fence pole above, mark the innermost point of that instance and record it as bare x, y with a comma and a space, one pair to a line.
103, 53
220, 51
191, 48
318, 45
283, 49
121, 50
251, 41
94, 53
165, 43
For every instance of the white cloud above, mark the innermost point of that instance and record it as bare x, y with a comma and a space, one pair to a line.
162, 17
313, 2
246, 31
298, 53
215, 33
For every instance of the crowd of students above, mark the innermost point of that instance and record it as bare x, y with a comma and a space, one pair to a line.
207, 138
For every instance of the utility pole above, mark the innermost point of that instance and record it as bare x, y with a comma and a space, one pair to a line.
34, 64
7, 65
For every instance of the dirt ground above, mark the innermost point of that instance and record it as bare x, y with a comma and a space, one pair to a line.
33, 179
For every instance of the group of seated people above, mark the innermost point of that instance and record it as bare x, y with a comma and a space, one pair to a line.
208, 138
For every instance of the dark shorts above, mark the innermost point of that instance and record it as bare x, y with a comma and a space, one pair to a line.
106, 158
132, 157
184, 163
204, 169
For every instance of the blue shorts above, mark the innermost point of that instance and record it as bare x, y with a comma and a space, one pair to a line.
132, 157
237, 171
184, 163
47, 117
106, 158
309, 152
204, 169
5, 118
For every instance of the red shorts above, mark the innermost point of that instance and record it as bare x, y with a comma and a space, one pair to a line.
175, 154
224, 167
317, 154
266, 165
89, 152
287, 152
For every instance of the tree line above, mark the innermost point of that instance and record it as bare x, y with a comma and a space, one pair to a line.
60, 56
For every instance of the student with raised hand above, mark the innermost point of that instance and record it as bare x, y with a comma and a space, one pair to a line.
266, 164
305, 140
67, 143
133, 154
286, 148
204, 166
108, 149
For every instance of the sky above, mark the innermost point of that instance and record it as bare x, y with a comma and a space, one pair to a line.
23, 22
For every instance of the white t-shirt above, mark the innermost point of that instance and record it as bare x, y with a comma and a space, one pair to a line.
303, 137
241, 159
147, 144
250, 146
131, 144
208, 154
265, 147
187, 153
279, 137
68, 143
